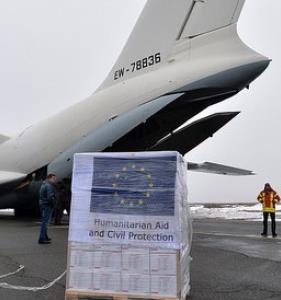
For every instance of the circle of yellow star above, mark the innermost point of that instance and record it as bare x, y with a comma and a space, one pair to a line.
146, 193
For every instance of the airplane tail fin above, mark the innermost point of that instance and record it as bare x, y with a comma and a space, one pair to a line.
165, 27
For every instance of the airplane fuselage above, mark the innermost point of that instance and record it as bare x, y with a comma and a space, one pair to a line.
39, 145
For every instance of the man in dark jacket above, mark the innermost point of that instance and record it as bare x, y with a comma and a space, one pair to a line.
47, 199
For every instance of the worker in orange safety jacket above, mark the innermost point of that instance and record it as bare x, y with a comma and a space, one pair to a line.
268, 197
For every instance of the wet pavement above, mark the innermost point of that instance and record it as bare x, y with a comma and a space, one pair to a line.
230, 260
42, 263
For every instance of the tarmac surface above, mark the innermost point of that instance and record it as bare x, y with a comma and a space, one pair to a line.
42, 263
230, 260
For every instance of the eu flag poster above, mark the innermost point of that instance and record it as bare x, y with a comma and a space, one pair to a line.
134, 186
130, 198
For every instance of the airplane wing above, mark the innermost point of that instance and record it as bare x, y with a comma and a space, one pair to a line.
209, 167
3, 138
6, 177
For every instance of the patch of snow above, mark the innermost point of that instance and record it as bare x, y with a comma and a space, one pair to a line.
233, 212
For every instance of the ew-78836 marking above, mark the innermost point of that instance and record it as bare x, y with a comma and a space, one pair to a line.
138, 65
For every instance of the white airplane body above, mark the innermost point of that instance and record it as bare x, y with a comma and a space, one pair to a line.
176, 49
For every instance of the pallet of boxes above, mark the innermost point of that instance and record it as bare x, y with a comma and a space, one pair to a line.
130, 228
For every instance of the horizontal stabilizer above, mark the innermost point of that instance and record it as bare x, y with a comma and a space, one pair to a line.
209, 167
192, 135
6, 177
3, 138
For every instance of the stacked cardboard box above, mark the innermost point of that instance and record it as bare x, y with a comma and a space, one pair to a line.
102, 259
124, 269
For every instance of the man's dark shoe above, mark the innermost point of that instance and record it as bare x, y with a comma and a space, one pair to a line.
263, 234
274, 235
44, 242
48, 239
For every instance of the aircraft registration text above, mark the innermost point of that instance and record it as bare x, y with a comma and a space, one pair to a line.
138, 65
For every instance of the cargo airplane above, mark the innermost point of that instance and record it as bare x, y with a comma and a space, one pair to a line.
181, 57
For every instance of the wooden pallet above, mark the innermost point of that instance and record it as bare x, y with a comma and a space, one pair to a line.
87, 295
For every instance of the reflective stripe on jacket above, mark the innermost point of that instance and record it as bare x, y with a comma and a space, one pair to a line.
268, 200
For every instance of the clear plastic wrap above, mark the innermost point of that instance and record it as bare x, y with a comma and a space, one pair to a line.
130, 226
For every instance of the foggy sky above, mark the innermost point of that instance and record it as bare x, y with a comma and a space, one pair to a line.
55, 53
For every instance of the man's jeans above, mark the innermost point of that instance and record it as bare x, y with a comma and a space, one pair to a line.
46, 213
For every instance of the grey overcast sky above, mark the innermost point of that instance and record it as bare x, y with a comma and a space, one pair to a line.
56, 52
